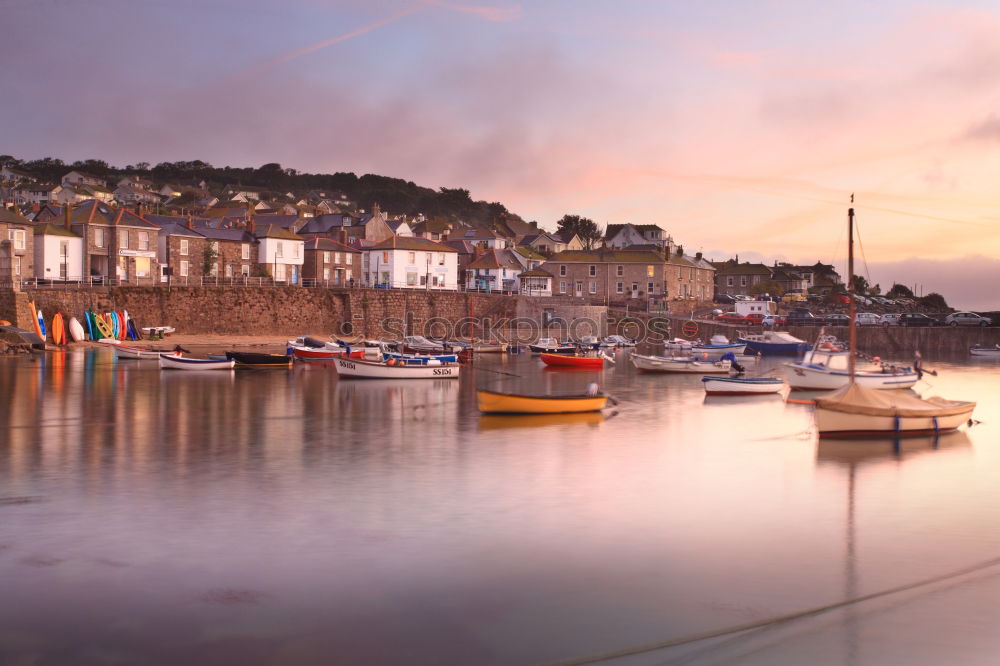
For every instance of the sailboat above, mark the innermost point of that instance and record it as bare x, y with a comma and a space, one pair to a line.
825, 367
856, 410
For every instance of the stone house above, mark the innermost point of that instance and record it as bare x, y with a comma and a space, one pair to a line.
610, 276
409, 262
17, 247
231, 253
820, 278
689, 278
117, 243
330, 263
735, 278
180, 250
372, 227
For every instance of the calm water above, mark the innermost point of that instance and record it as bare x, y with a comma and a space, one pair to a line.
286, 517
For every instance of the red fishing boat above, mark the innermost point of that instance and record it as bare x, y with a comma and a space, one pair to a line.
566, 361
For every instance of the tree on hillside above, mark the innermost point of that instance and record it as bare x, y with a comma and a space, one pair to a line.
769, 287
584, 227
860, 285
934, 301
899, 291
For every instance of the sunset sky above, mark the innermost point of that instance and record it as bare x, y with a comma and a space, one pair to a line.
740, 127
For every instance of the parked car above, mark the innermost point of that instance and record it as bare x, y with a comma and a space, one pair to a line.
801, 317
890, 319
878, 300
774, 320
917, 319
732, 318
837, 319
867, 319
906, 301
724, 298
754, 318
967, 319
862, 300
793, 297
814, 298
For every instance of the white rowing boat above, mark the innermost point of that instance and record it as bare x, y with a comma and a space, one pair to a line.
741, 385
168, 362
679, 364
123, 351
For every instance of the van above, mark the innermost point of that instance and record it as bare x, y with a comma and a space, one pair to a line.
867, 319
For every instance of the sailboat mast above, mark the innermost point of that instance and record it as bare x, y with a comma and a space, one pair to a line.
852, 309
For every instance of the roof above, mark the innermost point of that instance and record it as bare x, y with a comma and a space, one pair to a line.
533, 238
746, 268
97, 212
238, 235
606, 256
8, 216
493, 259
328, 244
50, 229
274, 231
528, 253
411, 243
283, 221
461, 246
476, 233
536, 272
434, 225
171, 229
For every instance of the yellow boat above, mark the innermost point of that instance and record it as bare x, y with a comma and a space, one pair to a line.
491, 402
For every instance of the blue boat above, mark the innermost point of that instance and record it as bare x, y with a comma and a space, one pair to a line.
420, 359
775, 343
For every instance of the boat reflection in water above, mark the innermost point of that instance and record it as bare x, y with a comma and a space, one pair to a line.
871, 450
489, 422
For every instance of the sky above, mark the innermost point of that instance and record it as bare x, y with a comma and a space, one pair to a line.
741, 126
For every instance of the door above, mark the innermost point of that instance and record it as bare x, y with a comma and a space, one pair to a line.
579, 288
635, 290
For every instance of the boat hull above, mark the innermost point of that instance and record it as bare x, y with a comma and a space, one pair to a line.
547, 349
258, 360
359, 369
122, 351
831, 423
985, 351
806, 378
679, 365
737, 386
168, 362
562, 361
503, 403
329, 354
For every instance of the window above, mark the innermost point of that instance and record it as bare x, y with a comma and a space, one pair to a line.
348, 275
215, 247
562, 286
326, 274
143, 240
691, 275
185, 268
98, 237
142, 267
215, 270
411, 258
423, 280
593, 286
336, 257
17, 235
279, 272
620, 271
295, 250
184, 247
279, 249
411, 278
385, 257
562, 271
649, 287
435, 236
743, 280
245, 251
593, 271
326, 257
229, 270
17, 265
620, 287
245, 270
348, 258
729, 281
679, 276
123, 239
440, 258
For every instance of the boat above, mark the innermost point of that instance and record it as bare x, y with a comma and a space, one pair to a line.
419, 359
680, 364
310, 349
157, 330
568, 361
618, 341
76, 332
856, 410
825, 369
170, 362
493, 402
58, 330
589, 342
986, 351
418, 344
742, 385
552, 346
361, 369
126, 352
775, 343
488, 347
259, 360
718, 346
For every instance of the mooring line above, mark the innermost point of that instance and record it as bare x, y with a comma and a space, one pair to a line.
758, 624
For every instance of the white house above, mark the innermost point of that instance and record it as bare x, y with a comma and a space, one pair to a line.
29, 193
82, 178
58, 253
282, 253
409, 262
480, 236
620, 236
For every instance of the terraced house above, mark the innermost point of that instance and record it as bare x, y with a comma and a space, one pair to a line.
16, 246
330, 263
611, 276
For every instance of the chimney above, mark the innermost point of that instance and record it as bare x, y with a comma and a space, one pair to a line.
252, 226
35, 207
342, 236
697, 255
67, 214
190, 224
376, 209
680, 250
